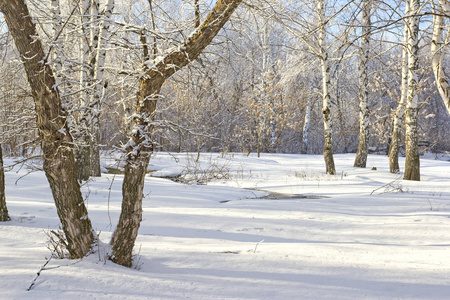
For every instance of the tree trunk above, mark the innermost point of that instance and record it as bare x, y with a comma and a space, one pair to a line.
83, 160
361, 154
304, 149
89, 155
326, 95
140, 145
99, 87
3, 209
438, 49
412, 164
394, 148
59, 163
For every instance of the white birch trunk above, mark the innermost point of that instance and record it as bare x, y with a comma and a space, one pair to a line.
399, 112
326, 95
438, 50
307, 120
99, 87
412, 163
361, 154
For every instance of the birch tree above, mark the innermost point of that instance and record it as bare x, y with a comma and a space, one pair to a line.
56, 141
140, 145
361, 154
399, 112
95, 26
412, 163
326, 94
438, 50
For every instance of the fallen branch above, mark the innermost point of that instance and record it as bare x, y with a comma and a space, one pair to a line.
43, 268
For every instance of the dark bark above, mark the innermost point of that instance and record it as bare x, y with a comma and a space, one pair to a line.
394, 148
412, 160
139, 146
3, 209
59, 162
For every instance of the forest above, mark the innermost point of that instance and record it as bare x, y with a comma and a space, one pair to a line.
134, 79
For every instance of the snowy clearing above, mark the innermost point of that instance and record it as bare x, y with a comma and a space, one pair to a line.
274, 227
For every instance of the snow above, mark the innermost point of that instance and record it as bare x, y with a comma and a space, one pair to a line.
362, 234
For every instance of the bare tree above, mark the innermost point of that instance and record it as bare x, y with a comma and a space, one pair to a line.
140, 145
412, 163
438, 50
399, 112
3, 209
95, 26
326, 94
361, 154
56, 141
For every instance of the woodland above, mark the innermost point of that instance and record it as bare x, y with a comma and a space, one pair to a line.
133, 77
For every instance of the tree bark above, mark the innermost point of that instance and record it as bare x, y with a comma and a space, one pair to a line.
412, 164
3, 209
305, 130
438, 49
99, 88
88, 157
326, 95
59, 163
139, 147
394, 148
361, 154
83, 151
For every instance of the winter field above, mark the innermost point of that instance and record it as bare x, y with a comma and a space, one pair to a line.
275, 227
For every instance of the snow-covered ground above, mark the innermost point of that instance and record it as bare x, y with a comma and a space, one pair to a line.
362, 234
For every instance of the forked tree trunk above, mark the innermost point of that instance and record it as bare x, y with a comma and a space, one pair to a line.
363, 147
59, 163
326, 95
412, 163
394, 148
139, 147
3, 209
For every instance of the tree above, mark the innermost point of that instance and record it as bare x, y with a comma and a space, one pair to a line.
95, 25
56, 141
3, 209
140, 144
438, 50
305, 131
326, 94
361, 154
412, 163
398, 115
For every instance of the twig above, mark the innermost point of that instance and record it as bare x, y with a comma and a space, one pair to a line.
390, 184
257, 244
109, 198
43, 268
